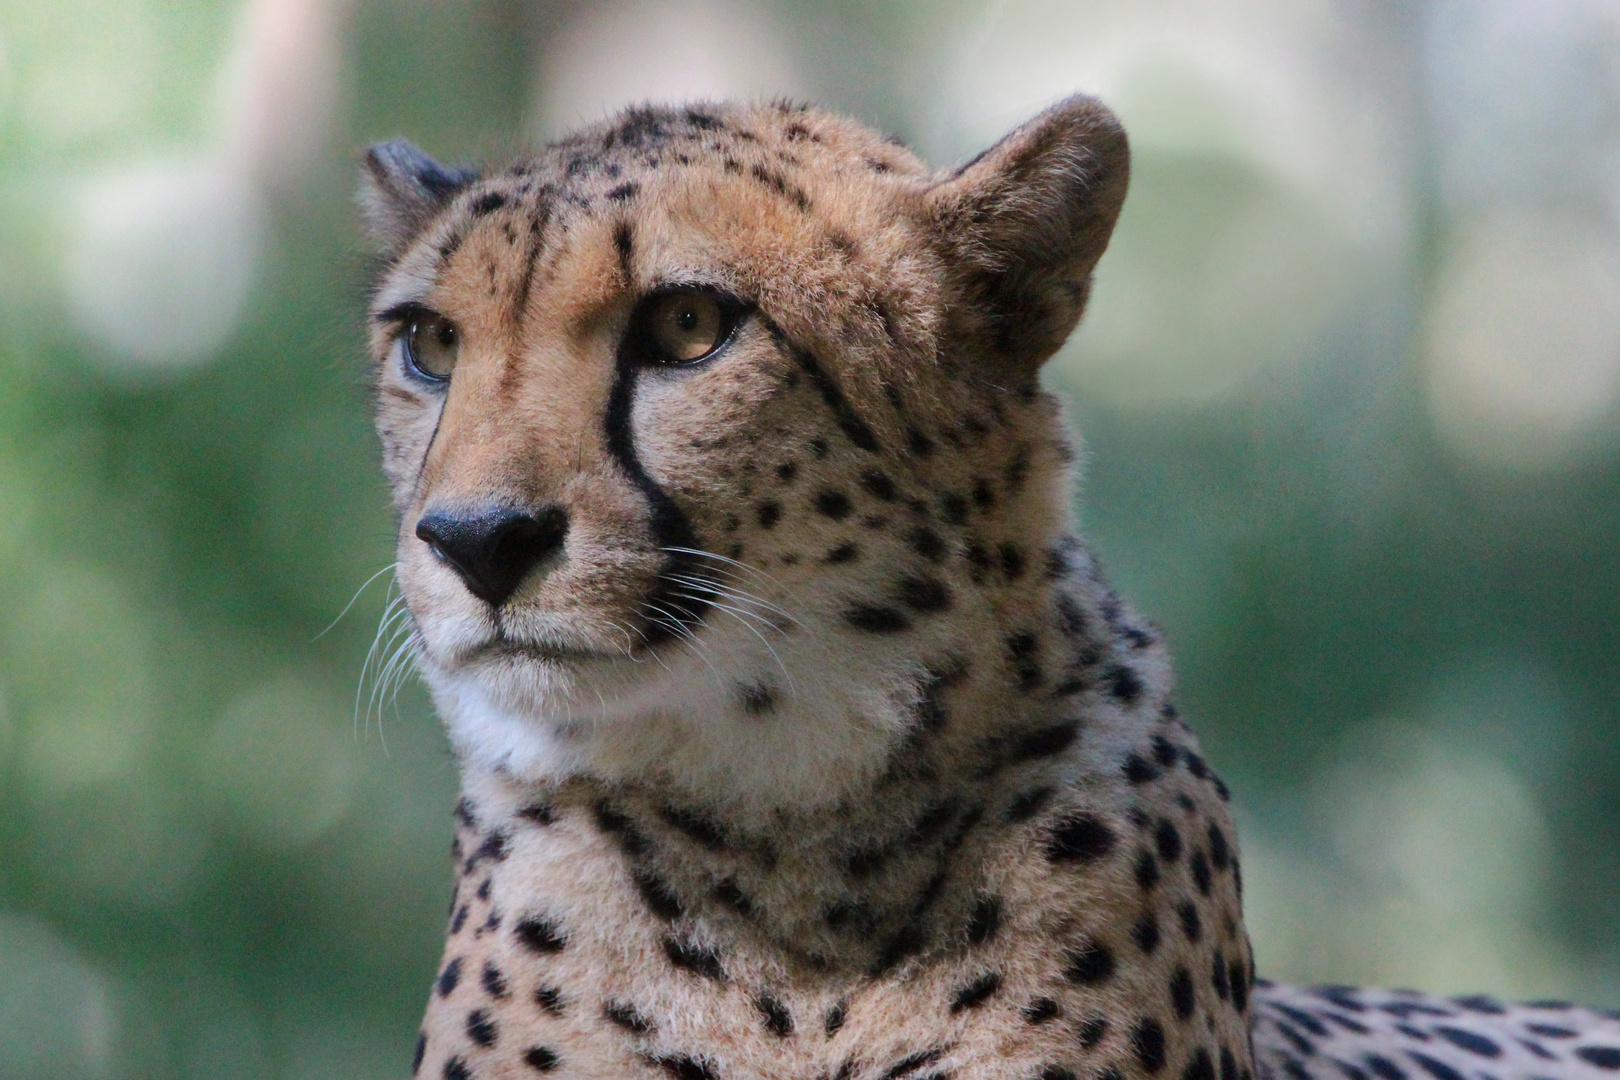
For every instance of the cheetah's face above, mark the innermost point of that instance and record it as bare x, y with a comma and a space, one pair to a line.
639, 393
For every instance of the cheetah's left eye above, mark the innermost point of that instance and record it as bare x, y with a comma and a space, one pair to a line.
685, 326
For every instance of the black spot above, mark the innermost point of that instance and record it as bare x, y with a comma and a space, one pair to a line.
1478, 1003
1092, 965
1123, 683
493, 981
918, 443
1200, 871
448, 978
924, 594
1182, 997
487, 203
459, 920
984, 920
694, 825
927, 543
1012, 561
624, 192
1138, 770
695, 958
902, 943
835, 1018
1164, 751
912, 1062
834, 504
1023, 650
879, 484
1195, 764
1434, 1067
481, 1029
483, 889
539, 935
843, 553
1384, 1068
421, 1049
540, 1058
657, 894
1147, 1039
1300, 1042
1229, 1068
683, 1067
1191, 925
1146, 933
1604, 1057
1201, 1067
619, 827
1551, 1032
1303, 1019
728, 893
1407, 1009
757, 700
1092, 1031
1147, 870
456, 1069
538, 812
1083, 837
768, 513
626, 1016
1220, 851
786, 471
977, 992
778, 1021
1056, 1072
876, 620
550, 999
1240, 985
1040, 1010
1217, 978
1027, 804
1167, 840
1468, 1040
978, 557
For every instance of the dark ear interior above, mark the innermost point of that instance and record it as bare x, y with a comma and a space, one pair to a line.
402, 189
1025, 222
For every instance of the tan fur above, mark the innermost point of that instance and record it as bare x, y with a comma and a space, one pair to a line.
866, 773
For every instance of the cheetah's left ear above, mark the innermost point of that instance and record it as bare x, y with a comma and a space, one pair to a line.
402, 189
1025, 222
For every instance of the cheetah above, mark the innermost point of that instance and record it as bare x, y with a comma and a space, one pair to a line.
800, 736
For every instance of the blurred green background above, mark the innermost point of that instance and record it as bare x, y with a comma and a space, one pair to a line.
1350, 389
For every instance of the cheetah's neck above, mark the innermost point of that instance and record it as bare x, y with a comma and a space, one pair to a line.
897, 865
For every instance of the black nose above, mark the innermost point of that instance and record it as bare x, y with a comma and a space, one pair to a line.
493, 549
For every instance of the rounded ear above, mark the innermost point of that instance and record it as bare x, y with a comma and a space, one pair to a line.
1024, 223
402, 189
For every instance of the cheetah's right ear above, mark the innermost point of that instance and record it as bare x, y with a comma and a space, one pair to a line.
402, 189
1025, 222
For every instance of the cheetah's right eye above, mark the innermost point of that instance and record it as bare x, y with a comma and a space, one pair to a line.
431, 345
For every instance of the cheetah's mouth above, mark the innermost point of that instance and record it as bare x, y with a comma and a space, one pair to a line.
503, 648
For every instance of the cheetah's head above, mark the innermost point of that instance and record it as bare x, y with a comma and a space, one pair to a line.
699, 405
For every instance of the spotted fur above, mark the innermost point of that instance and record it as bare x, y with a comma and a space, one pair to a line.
816, 746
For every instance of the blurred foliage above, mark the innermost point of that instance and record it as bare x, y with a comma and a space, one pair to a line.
217, 860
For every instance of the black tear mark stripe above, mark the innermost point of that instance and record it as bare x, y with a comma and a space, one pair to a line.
669, 609
848, 420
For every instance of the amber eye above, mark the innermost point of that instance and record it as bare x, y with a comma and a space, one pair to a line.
683, 327
431, 344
